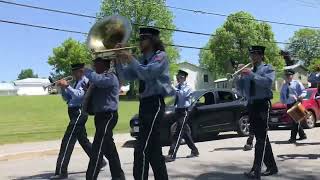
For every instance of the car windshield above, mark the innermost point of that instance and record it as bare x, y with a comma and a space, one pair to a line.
309, 93
195, 95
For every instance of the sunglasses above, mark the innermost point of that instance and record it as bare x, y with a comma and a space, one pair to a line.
144, 37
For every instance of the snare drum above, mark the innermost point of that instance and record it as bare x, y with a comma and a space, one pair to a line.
297, 112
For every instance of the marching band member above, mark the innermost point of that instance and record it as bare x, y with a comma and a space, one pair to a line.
153, 73
76, 129
257, 87
104, 93
314, 77
291, 92
182, 103
249, 143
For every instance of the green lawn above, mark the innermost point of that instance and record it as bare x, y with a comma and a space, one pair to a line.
276, 97
36, 118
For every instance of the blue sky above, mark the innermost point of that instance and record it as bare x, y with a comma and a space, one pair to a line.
25, 47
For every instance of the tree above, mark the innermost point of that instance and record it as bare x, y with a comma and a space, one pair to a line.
27, 73
146, 13
305, 45
231, 41
69, 52
315, 65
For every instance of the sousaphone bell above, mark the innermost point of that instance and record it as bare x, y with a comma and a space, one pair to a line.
106, 33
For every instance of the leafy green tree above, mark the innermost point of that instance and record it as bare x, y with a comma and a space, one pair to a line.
69, 52
231, 42
27, 73
146, 13
315, 65
305, 45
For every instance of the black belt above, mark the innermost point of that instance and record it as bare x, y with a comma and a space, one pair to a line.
151, 98
181, 109
74, 107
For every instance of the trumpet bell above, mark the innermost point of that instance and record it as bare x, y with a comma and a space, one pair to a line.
108, 32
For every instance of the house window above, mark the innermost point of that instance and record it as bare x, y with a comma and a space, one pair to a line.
205, 78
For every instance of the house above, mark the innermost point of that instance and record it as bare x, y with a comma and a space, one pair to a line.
7, 89
198, 77
32, 86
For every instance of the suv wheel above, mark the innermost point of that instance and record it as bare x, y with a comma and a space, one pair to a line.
243, 126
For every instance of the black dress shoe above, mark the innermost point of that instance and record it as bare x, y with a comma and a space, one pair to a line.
269, 172
291, 141
193, 154
252, 175
303, 137
59, 176
247, 147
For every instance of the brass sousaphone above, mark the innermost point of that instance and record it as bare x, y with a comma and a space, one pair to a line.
103, 36
106, 33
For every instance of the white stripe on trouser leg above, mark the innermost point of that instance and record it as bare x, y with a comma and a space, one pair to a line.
265, 139
146, 144
105, 131
178, 140
65, 152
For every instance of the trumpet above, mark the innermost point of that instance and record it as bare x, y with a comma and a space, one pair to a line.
231, 76
53, 83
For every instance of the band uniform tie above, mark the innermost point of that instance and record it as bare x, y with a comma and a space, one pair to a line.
142, 84
177, 97
253, 84
288, 91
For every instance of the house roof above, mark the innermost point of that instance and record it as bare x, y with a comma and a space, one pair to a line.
32, 81
7, 86
298, 64
187, 63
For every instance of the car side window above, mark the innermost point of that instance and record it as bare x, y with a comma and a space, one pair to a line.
225, 97
206, 99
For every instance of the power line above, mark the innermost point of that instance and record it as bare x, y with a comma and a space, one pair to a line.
42, 27
171, 7
79, 32
251, 19
93, 17
162, 28
84, 33
169, 29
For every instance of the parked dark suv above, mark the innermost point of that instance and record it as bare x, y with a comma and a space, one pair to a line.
212, 111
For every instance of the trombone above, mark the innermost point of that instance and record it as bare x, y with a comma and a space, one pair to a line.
53, 83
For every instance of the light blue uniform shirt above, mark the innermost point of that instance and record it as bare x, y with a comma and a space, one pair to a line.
263, 79
183, 96
155, 74
105, 95
296, 89
74, 96
314, 77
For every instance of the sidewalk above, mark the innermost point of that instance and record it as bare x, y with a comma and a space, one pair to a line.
23, 150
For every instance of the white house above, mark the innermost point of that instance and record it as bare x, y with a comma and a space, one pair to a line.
32, 86
198, 78
7, 89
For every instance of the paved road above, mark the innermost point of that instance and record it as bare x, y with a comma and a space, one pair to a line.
222, 158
